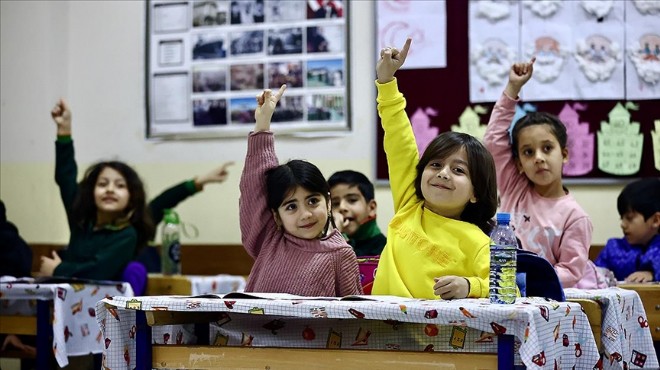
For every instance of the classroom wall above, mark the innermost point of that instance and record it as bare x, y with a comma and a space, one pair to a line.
92, 53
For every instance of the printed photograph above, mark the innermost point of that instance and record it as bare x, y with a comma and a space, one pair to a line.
324, 73
247, 12
242, 110
285, 41
209, 79
289, 109
324, 39
209, 13
208, 112
246, 43
289, 73
247, 77
285, 10
210, 46
325, 9
325, 107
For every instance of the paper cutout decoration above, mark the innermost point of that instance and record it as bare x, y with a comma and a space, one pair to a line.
543, 8
468, 122
493, 10
647, 6
550, 58
580, 143
493, 59
521, 111
422, 129
597, 56
655, 140
597, 8
620, 143
645, 56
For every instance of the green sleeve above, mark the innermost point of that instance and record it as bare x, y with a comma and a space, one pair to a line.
170, 198
66, 171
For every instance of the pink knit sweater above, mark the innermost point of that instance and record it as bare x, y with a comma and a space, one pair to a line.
325, 267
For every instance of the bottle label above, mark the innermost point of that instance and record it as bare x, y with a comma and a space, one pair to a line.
174, 252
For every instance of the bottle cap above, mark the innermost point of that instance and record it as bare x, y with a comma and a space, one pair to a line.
171, 216
503, 217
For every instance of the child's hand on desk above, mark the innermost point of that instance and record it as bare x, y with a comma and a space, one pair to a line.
640, 277
12, 340
451, 287
48, 265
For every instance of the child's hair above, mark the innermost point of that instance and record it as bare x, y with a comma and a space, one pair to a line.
283, 179
641, 196
539, 118
481, 167
84, 207
353, 178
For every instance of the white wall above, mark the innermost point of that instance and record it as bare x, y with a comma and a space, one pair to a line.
92, 53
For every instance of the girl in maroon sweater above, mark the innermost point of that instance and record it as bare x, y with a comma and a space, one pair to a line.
286, 223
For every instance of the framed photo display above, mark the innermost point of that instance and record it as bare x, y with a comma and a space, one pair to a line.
208, 60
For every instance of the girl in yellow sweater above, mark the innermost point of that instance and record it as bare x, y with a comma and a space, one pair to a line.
437, 242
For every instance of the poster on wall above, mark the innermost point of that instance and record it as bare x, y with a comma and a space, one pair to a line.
208, 60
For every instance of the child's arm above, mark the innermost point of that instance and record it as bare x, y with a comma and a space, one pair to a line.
650, 260
348, 274
66, 170
171, 197
399, 141
496, 138
640, 277
256, 220
572, 252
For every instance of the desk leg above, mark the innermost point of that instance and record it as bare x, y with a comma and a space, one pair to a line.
142, 342
505, 351
202, 332
44, 336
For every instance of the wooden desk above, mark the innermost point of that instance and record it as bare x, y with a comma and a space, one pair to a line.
159, 284
650, 296
376, 333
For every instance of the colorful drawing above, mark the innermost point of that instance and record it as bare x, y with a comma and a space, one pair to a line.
580, 143
468, 122
620, 143
422, 129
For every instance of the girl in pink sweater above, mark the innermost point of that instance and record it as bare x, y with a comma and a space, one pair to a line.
286, 221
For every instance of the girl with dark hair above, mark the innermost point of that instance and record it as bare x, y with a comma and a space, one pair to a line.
437, 242
286, 221
107, 212
547, 219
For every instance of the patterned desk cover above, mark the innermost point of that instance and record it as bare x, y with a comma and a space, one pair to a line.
550, 334
216, 284
75, 329
626, 336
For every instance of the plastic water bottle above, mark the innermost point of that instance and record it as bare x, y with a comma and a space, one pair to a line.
503, 246
170, 256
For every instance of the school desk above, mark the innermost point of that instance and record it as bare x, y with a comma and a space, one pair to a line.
159, 284
649, 293
625, 335
382, 332
74, 328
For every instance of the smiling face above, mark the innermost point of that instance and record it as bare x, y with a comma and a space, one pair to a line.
541, 158
303, 214
111, 195
637, 230
446, 185
349, 201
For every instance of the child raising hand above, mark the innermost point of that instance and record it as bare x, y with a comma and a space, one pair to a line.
546, 217
286, 221
437, 242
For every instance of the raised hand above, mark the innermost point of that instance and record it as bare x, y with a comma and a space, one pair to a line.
62, 117
391, 59
266, 103
216, 175
519, 74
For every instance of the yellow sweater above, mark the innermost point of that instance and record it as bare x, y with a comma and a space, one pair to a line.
421, 245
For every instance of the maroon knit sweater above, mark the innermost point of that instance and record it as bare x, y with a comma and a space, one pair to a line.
325, 267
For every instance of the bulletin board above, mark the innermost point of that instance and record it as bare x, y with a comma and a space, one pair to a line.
206, 60
446, 90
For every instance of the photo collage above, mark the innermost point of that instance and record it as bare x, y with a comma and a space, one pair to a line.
231, 50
